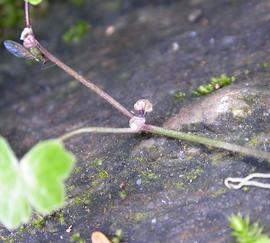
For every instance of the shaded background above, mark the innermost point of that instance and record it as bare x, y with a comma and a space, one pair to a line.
154, 189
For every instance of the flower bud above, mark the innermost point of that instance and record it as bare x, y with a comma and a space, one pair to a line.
143, 105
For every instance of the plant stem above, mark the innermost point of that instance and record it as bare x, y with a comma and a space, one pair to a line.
84, 81
147, 128
26, 13
207, 141
96, 130
75, 74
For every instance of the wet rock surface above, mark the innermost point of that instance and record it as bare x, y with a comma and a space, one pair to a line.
154, 189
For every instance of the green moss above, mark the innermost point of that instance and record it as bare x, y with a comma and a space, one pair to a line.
71, 188
219, 192
22, 230
117, 236
11, 15
77, 201
264, 65
137, 158
103, 174
253, 142
179, 96
194, 174
39, 224
61, 218
245, 189
77, 238
82, 199
179, 185
78, 3
97, 163
123, 194
95, 184
76, 32
245, 231
149, 177
217, 158
138, 217
216, 83
77, 170
5, 240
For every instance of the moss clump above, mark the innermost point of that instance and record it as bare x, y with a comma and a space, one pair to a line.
61, 218
245, 189
97, 163
138, 217
76, 32
39, 224
194, 174
244, 231
117, 236
77, 170
264, 65
217, 158
179, 185
216, 83
11, 16
78, 3
82, 199
70, 188
77, 238
123, 194
149, 177
179, 96
94, 184
219, 192
253, 142
103, 174
137, 158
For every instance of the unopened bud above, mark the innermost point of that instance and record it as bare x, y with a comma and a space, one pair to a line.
136, 123
143, 105
26, 32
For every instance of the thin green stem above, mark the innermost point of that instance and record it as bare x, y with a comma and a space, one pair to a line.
207, 141
96, 130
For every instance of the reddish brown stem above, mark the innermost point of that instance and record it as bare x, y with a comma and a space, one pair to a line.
26, 13
74, 74
84, 81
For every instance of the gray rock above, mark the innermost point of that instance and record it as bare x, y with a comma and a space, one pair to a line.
181, 197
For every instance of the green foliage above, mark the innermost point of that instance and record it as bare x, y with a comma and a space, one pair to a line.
118, 236
76, 237
11, 14
216, 83
179, 96
78, 3
34, 183
35, 2
245, 232
76, 32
